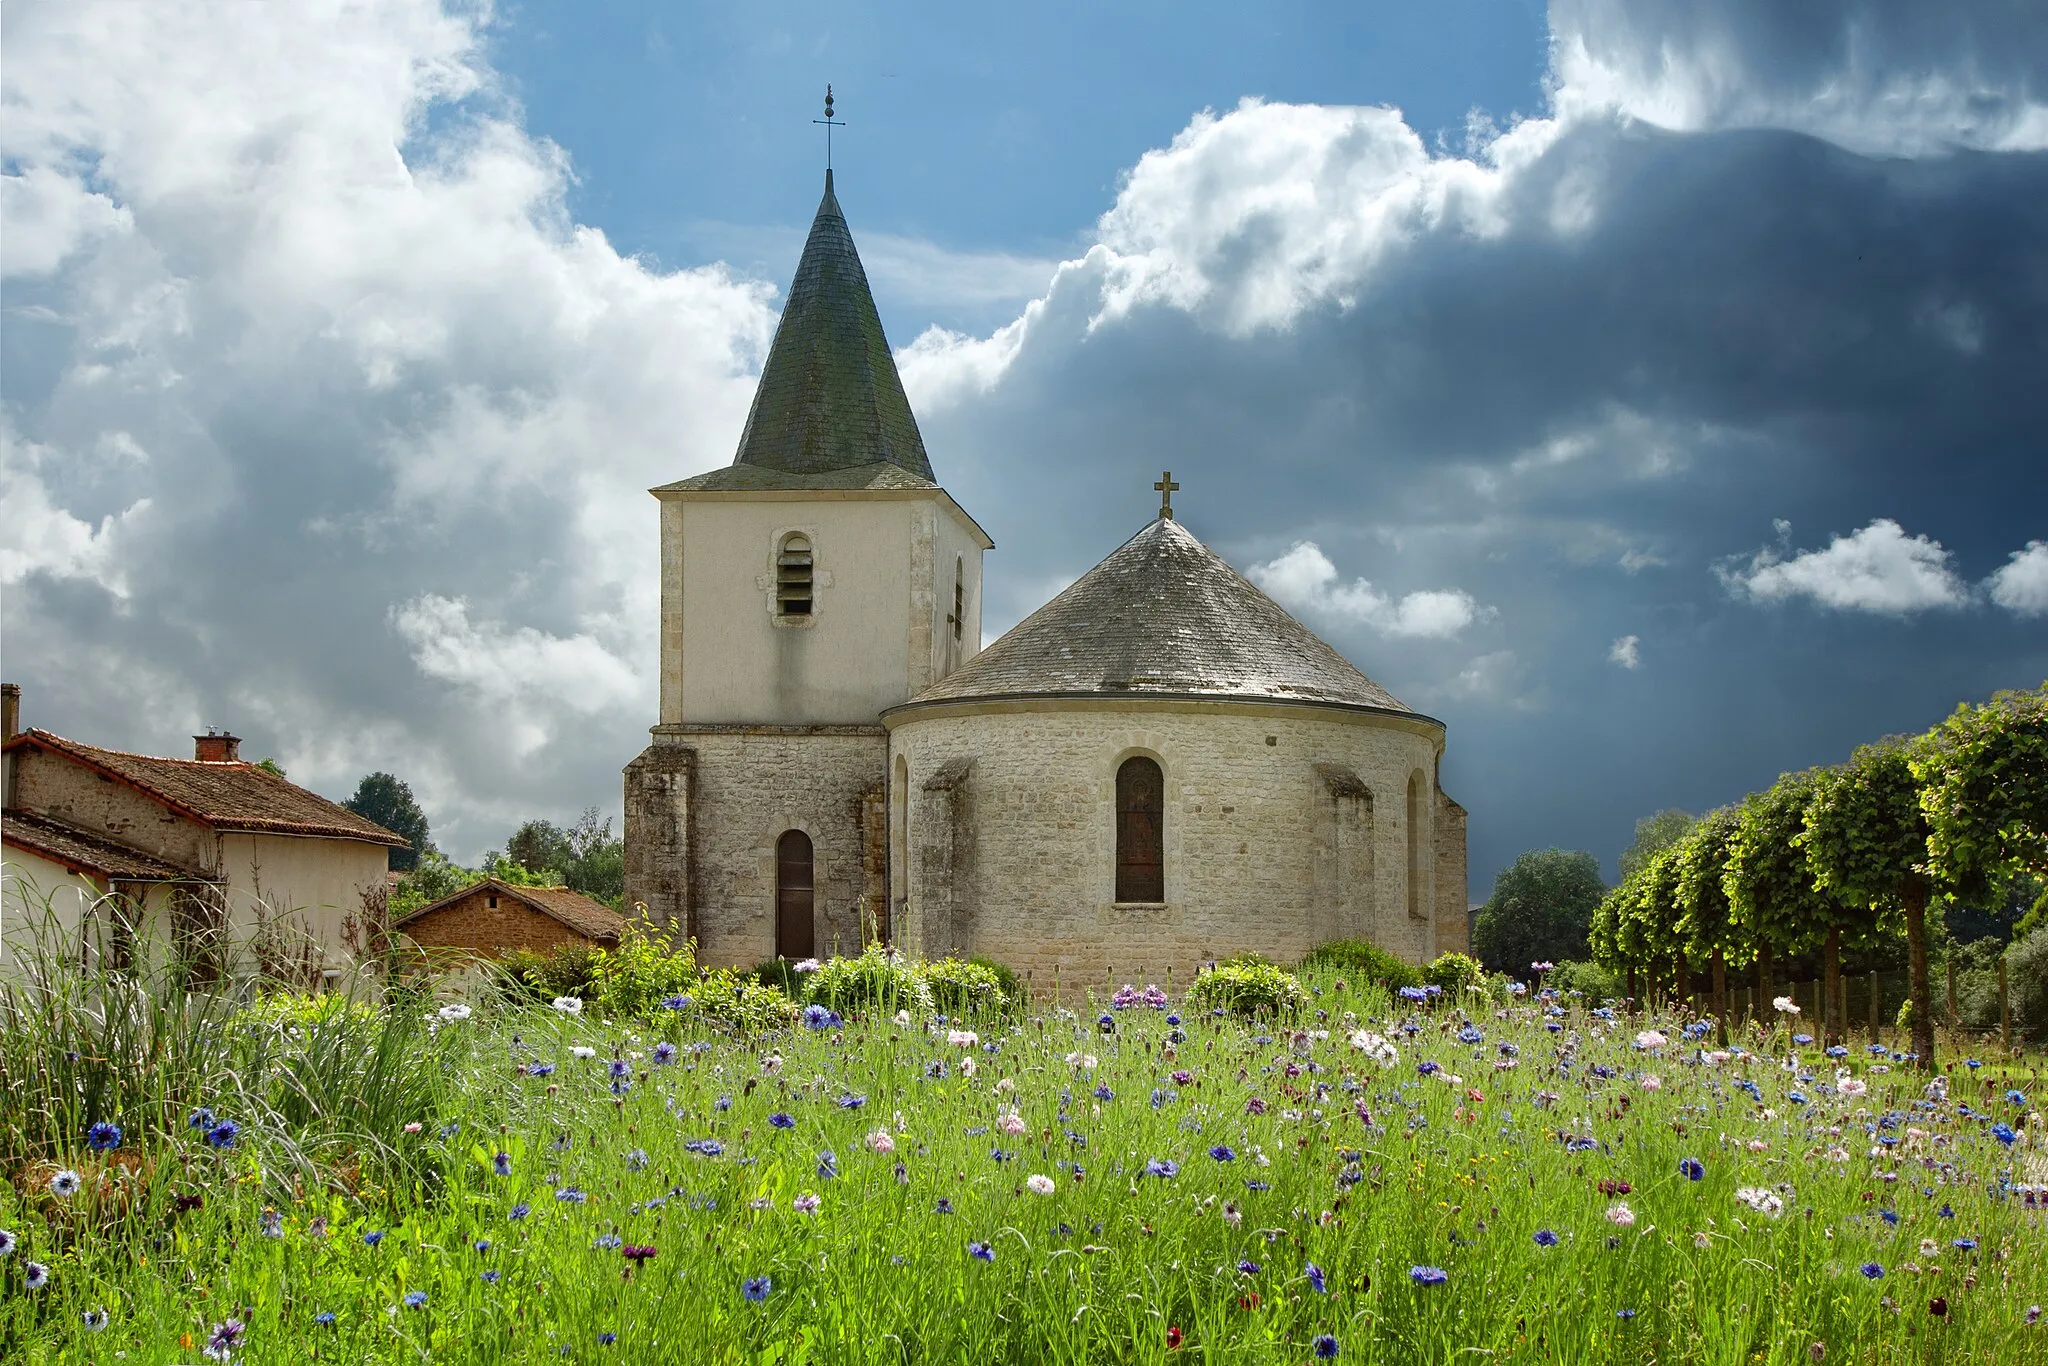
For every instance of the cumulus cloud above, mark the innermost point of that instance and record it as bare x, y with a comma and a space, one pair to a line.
1625, 652
1878, 569
1305, 580
2021, 584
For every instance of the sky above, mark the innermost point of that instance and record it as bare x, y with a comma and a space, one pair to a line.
1650, 391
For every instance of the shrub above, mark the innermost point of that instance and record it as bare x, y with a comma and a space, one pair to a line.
781, 974
1454, 972
880, 978
295, 1013
1364, 961
975, 986
738, 1001
565, 970
2026, 985
1589, 979
1247, 985
645, 969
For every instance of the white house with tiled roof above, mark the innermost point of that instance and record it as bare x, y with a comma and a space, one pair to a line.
193, 849
1160, 766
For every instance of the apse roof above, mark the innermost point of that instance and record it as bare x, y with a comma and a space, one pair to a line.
1163, 616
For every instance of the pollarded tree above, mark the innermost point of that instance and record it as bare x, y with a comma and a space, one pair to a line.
1866, 841
1775, 893
1706, 924
1983, 777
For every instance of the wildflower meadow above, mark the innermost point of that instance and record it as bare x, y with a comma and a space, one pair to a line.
1344, 1173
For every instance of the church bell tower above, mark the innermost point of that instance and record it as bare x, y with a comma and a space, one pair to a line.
820, 578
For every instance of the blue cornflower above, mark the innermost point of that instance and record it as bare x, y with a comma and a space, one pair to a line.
1102, 1091
1162, 1167
1428, 1275
1836, 1050
675, 1003
1173, 1021
95, 1320
1316, 1280
569, 1195
782, 1119
936, 1069
540, 1069
2016, 1097
607, 1241
636, 1160
756, 1288
1546, 1238
373, 1237
490, 1278
981, 1252
482, 1245
664, 1054
1414, 994
502, 1164
722, 1104
325, 1318
1256, 1186
1965, 1244
1325, 1347
1802, 1039
1470, 1034
619, 1067
103, 1137
828, 1165
820, 1017
66, 1183
416, 1299
223, 1134
1248, 1267
1106, 1023
1222, 1153
202, 1118
1972, 1063
1692, 1169
607, 1339
519, 1211
945, 1206
852, 1100
2004, 1134
1872, 1271
1427, 1069
1624, 1313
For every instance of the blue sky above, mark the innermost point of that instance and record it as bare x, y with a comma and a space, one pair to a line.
1650, 390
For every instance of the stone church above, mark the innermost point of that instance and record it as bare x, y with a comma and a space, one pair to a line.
1157, 768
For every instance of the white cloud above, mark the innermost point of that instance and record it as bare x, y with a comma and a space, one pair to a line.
1877, 569
1304, 579
2021, 584
1634, 561
1625, 653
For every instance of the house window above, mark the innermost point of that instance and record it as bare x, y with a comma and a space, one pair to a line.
793, 576
959, 596
491, 902
1140, 831
795, 934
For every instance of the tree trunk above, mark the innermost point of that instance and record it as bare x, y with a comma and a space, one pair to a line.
1764, 984
1721, 997
1631, 987
1831, 987
1916, 957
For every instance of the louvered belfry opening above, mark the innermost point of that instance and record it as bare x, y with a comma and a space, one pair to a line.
793, 577
1140, 831
795, 934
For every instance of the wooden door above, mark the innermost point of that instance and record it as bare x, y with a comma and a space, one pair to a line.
795, 935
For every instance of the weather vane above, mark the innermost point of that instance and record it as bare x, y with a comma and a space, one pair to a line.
830, 123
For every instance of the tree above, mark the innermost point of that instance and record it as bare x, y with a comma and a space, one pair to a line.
388, 801
1707, 928
1774, 894
1654, 834
586, 857
540, 847
1866, 840
1983, 777
1541, 908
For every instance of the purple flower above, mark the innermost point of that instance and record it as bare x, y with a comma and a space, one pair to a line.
1316, 1280
1222, 1153
1248, 1268
103, 1137
223, 1135
519, 1211
981, 1252
782, 1120
1325, 1347
502, 1164
1164, 1168
1692, 1169
1546, 1238
620, 1067
416, 1299
540, 1069
226, 1336
675, 1003
373, 1237
756, 1288
1428, 1275
1872, 1271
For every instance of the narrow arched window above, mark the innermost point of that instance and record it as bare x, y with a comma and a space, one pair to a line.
795, 929
793, 576
959, 597
1140, 831
1417, 868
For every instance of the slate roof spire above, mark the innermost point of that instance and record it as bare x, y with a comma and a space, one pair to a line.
830, 398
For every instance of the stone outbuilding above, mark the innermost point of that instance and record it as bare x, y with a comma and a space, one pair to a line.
493, 918
204, 851
1159, 767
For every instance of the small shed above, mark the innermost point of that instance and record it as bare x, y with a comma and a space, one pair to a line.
492, 918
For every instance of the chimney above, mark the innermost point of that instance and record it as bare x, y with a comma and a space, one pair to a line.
10, 710
217, 747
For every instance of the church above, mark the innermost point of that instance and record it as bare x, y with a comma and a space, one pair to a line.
1157, 768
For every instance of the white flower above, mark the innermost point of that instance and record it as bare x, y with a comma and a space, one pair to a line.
569, 1005
903, 1019
1084, 1061
1785, 1005
1651, 1038
966, 1067
881, 1142
962, 1038
1652, 1082
805, 965
580, 1051
1761, 1200
1012, 1123
1005, 1086
772, 1064
453, 1011
1852, 1086
1620, 1214
1039, 1184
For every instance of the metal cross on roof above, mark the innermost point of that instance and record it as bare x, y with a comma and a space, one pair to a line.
830, 123
1166, 488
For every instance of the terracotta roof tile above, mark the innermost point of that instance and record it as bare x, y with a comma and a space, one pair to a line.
75, 848
592, 919
227, 796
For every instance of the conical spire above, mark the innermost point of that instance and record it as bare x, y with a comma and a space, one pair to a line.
830, 398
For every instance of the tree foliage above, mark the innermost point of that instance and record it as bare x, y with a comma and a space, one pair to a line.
585, 857
1540, 911
1654, 834
388, 801
1983, 776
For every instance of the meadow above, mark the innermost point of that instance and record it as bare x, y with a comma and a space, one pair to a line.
1477, 1174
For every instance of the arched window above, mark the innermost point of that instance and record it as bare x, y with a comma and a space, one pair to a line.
795, 935
1418, 868
1140, 831
959, 596
793, 576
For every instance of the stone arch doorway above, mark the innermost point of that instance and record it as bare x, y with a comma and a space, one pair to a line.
795, 926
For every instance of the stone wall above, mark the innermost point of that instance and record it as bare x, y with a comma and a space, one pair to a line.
475, 926
62, 787
1284, 826
706, 805
1453, 922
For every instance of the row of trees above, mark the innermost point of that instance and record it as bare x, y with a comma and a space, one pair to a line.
1845, 857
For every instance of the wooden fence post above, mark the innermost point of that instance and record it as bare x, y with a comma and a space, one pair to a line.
1876, 1010
2004, 1009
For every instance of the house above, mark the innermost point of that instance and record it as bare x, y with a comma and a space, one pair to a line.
206, 852
491, 918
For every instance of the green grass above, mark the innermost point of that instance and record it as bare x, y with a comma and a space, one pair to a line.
1384, 1170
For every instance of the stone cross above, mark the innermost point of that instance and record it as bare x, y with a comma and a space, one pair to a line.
1166, 488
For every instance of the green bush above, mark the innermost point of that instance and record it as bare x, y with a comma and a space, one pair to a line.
878, 979
975, 986
644, 970
1454, 972
781, 974
1589, 979
2026, 986
1363, 961
738, 1001
295, 1012
1248, 986
565, 970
